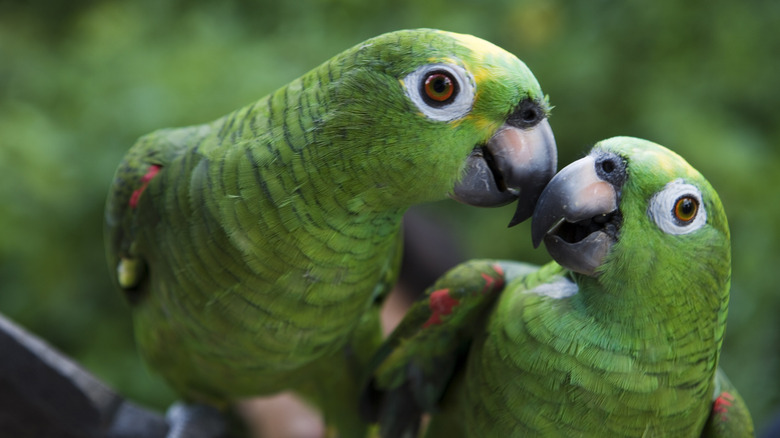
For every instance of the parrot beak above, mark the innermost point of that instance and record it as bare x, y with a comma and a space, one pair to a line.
516, 163
577, 214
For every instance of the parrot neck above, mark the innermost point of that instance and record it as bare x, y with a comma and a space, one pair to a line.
641, 290
652, 310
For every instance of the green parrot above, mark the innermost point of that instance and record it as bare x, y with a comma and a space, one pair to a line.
619, 336
255, 249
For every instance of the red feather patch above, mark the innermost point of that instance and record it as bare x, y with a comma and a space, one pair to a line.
722, 404
493, 283
440, 303
151, 173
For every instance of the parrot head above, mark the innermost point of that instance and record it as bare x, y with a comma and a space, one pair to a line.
471, 113
635, 209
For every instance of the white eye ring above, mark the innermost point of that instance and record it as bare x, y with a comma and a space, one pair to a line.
452, 109
663, 207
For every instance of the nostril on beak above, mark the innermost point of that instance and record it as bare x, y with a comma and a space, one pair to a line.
608, 166
527, 114
530, 115
611, 168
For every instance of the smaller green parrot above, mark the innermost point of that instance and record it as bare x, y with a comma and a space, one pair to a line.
619, 336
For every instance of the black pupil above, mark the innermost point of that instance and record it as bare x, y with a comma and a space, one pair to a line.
607, 166
440, 83
529, 115
687, 207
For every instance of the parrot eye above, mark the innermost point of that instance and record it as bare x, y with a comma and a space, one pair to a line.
685, 209
439, 87
442, 92
678, 209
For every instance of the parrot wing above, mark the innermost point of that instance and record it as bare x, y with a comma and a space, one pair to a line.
729, 416
412, 369
146, 161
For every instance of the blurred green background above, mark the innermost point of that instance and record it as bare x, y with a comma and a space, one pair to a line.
80, 80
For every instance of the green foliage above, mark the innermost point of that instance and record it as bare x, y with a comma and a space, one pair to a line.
81, 80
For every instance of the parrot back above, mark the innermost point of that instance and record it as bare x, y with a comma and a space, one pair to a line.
233, 249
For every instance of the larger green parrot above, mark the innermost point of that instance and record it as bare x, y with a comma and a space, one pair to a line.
255, 249
619, 338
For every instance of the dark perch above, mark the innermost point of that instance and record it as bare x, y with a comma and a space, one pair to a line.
45, 394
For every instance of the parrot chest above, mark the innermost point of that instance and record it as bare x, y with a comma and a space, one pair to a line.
570, 379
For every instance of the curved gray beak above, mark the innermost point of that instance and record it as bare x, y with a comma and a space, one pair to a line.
516, 163
577, 214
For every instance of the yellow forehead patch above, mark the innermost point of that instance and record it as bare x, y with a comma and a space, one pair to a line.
666, 160
483, 52
671, 163
667, 163
480, 47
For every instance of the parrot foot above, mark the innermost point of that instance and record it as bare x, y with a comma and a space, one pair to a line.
195, 421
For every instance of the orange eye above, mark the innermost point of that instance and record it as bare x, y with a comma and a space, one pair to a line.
685, 209
439, 87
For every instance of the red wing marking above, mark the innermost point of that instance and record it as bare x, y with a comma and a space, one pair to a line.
722, 404
151, 173
440, 303
493, 283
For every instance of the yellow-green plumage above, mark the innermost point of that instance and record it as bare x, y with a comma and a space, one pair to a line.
629, 349
256, 248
